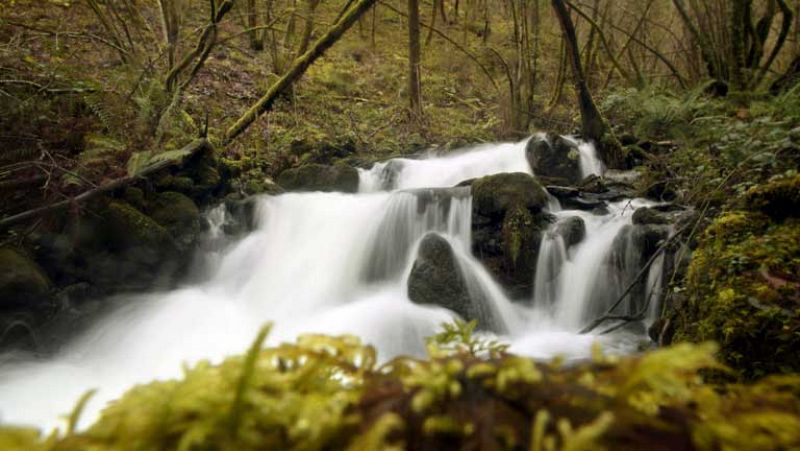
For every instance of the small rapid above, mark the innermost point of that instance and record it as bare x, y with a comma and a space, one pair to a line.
339, 264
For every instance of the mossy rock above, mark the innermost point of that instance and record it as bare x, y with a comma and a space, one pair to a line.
494, 195
507, 224
172, 209
127, 227
21, 280
317, 177
743, 291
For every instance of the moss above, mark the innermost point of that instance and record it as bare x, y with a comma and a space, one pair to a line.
172, 209
127, 227
21, 279
744, 293
494, 195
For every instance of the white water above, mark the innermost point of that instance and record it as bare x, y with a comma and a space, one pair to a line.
329, 263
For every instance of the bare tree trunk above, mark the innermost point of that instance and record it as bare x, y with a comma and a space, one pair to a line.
256, 43
414, 83
593, 125
308, 27
170, 23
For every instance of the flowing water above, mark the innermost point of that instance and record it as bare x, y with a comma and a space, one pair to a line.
338, 263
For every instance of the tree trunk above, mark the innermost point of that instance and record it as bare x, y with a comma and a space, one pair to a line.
256, 43
414, 86
593, 125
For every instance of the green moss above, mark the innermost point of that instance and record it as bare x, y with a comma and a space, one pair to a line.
172, 209
744, 293
21, 279
496, 194
127, 227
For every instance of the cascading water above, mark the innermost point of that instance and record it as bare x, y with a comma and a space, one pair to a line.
336, 263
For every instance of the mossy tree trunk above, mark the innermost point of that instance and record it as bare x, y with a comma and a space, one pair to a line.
593, 126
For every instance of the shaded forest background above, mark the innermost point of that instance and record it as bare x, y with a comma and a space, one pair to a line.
87, 85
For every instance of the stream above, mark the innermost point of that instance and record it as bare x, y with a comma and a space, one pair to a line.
338, 264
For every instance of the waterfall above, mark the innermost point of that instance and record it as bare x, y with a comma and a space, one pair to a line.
338, 263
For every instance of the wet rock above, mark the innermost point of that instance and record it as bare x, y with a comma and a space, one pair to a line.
494, 195
554, 156
572, 230
179, 214
128, 229
22, 281
507, 225
436, 279
646, 215
573, 198
317, 177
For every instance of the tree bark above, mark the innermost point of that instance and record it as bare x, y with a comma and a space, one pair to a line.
414, 84
298, 68
593, 125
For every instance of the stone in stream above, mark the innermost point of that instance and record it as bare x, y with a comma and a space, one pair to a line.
572, 230
317, 177
436, 278
508, 220
554, 156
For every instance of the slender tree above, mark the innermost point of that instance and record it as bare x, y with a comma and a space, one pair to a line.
593, 126
414, 83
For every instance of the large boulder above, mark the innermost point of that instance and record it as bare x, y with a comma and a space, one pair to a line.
554, 156
317, 177
507, 223
22, 281
436, 279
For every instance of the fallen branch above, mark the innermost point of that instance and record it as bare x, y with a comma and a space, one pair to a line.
191, 149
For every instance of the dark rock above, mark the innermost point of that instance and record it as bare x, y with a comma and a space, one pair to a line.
626, 139
316, 177
128, 228
179, 215
436, 279
507, 225
645, 215
572, 230
554, 156
22, 281
573, 198
660, 191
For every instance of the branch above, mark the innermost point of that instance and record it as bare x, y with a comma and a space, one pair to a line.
192, 148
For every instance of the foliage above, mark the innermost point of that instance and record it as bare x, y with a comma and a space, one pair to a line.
328, 393
744, 293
